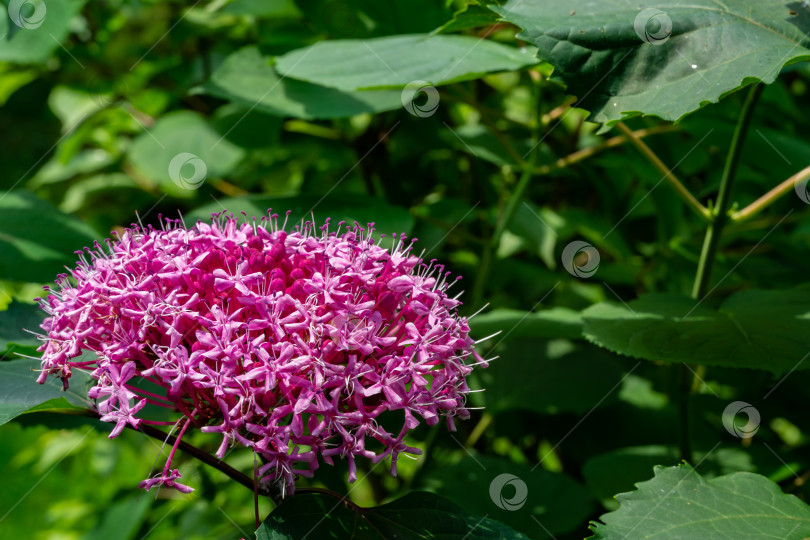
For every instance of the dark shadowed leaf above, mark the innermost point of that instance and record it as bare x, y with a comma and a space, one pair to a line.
550, 503
513, 323
767, 330
14, 322
470, 16
415, 516
363, 209
36, 240
555, 377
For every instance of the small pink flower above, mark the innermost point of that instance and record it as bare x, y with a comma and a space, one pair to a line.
167, 479
291, 343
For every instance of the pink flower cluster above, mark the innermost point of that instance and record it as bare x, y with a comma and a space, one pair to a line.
290, 343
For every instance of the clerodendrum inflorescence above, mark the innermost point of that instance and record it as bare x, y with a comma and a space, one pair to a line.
290, 343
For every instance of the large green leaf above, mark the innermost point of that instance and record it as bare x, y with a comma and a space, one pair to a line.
14, 322
533, 501
20, 393
36, 30
414, 516
173, 143
548, 323
396, 61
623, 59
36, 240
767, 330
248, 78
679, 503
619, 470
564, 377
363, 209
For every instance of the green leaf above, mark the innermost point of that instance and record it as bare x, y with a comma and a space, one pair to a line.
367, 18
15, 320
36, 240
396, 61
416, 515
121, 520
46, 28
248, 78
618, 471
679, 503
178, 133
363, 209
628, 59
248, 128
481, 143
263, 8
20, 392
470, 16
767, 330
556, 322
550, 500
565, 377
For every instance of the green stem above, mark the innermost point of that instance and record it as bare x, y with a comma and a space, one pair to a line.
701, 211
719, 218
772, 196
501, 225
720, 211
514, 201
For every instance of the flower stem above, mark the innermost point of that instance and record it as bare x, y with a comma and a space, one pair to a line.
769, 198
203, 456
